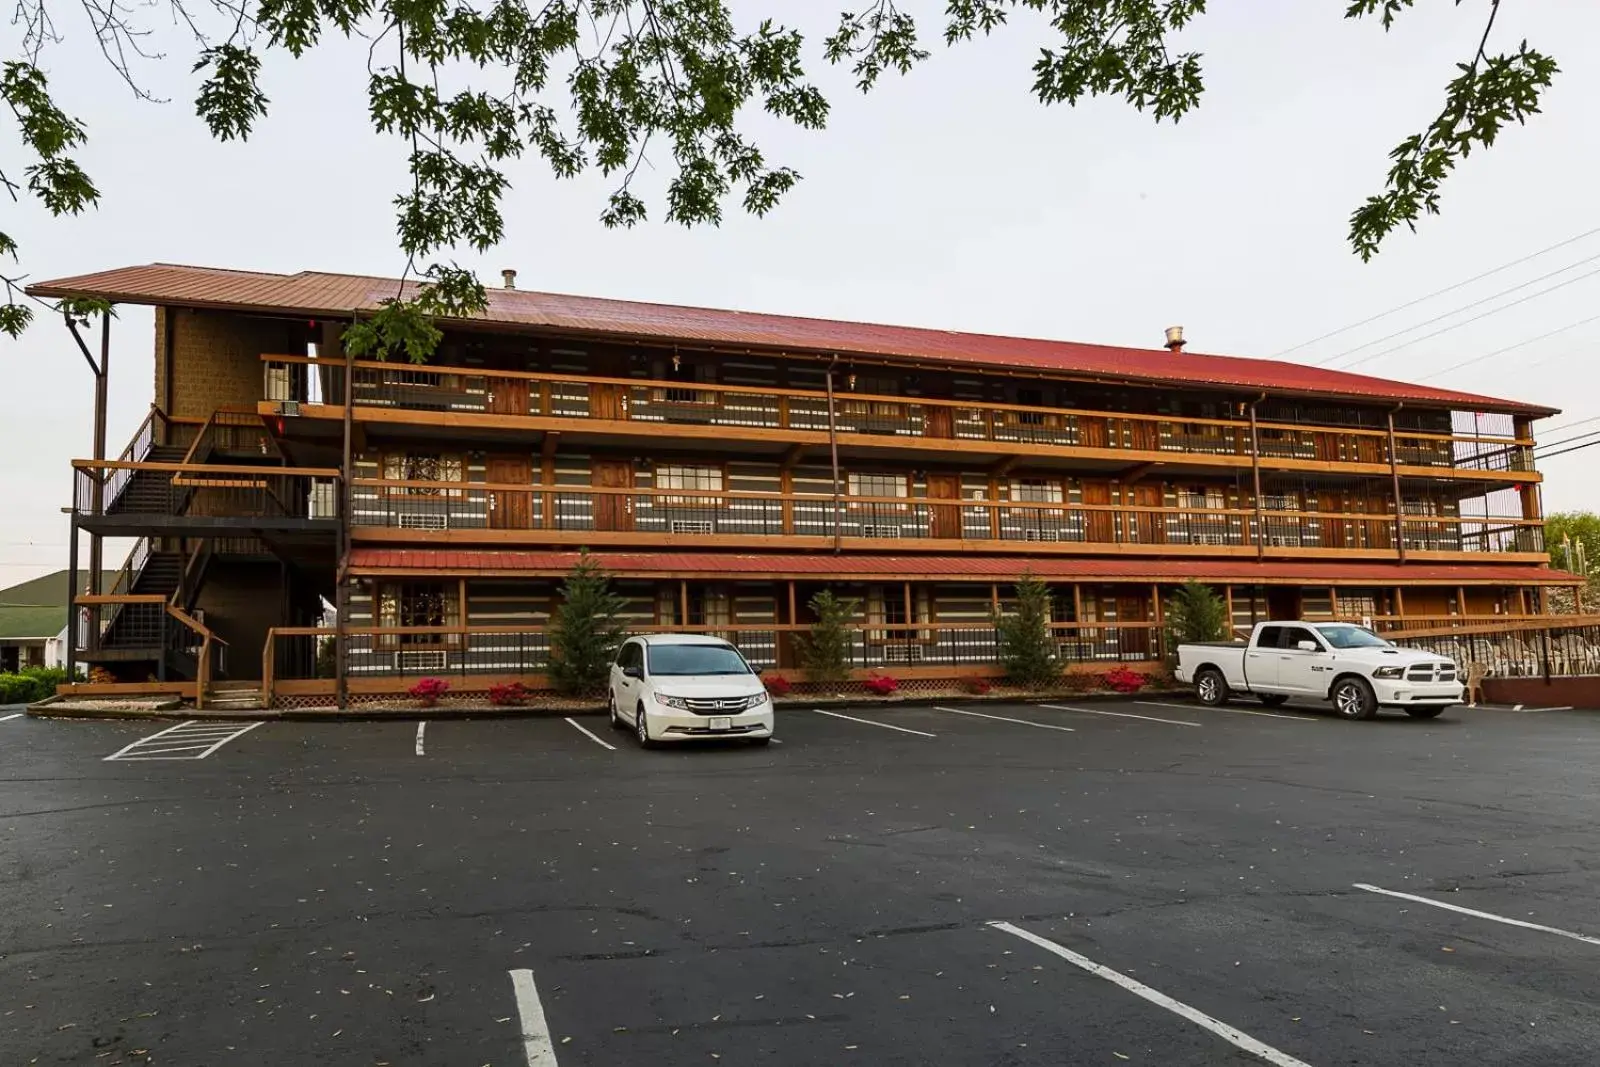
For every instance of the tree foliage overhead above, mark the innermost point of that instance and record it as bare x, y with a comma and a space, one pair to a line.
471, 87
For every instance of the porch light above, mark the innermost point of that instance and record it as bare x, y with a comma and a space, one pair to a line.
850, 383
677, 362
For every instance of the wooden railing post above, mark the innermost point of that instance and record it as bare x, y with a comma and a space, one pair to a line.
269, 664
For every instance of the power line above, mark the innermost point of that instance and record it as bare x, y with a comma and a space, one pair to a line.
1456, 311
1564, 451
1508, 348
1468, 322
1564, 427
1437, 292
1565, 441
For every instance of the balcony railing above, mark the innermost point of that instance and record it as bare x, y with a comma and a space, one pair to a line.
204, 490
522, 394
139, 627
644, 515
304, 653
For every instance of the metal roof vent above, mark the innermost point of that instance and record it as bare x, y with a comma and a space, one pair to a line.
1175, 339
510, 277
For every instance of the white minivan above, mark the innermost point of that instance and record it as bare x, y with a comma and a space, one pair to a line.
678, 687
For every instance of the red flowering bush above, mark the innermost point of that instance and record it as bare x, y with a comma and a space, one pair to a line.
977, 686
882, 685
428, 691
508, 695
778, 685
1122, 680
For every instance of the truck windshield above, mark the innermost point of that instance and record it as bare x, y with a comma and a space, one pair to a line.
696, 659
1351, 637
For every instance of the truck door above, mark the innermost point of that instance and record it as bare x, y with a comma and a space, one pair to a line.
1300, 670
1261, 659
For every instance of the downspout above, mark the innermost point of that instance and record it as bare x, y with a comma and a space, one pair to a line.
1394, 479
1255, 475
833, 451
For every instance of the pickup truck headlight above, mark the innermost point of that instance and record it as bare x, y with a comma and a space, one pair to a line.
1389, 672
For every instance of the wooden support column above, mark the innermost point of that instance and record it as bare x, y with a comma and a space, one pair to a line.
1077, 602
1227, 603
1400, 601
72, 600
994, 597
683, 602
341, 613
1333, 601
833, 454
1255, 477
461, 617
794, 613
1394, 479
1461, 600
909, 617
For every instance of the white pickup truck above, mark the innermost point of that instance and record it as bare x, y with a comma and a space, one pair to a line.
1354, 668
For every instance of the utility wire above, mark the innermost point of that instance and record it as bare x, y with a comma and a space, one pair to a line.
1508, 348
1455, 311
1566, 441
1468, 322
1564, 451
1564, 427
1436, 292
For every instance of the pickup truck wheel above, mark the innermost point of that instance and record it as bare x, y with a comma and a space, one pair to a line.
1273, 700
1211, 687
1353, 699
1424, 713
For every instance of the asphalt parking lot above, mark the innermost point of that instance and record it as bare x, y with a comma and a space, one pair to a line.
1118, 882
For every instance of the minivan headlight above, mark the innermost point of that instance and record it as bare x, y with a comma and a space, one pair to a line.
681, 703
758, 699
1389, 672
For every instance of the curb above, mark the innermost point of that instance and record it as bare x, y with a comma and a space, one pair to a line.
45, 709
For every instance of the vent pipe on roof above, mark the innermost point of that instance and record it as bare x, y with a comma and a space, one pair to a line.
1175, 339
510, 277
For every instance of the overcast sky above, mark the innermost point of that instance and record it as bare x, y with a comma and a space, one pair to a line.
948, 199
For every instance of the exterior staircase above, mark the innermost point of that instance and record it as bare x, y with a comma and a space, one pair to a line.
234, 696
148, 492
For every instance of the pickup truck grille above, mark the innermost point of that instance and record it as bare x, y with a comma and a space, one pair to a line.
1431, 672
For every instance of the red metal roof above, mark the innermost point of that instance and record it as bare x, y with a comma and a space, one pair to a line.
732, 565
318, 294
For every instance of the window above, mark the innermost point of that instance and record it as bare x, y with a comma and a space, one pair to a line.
695, 660
1279, 502
1421, 507
418, 604
879, 485
705, 479
1270, 637
886, 606
683, 371
1036, 490
1353, 604
629, 655
422, 467
1202, 498
1351, 637
1290, 637
1033, 398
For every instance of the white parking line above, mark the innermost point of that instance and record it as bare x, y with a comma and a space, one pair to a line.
1230, 711
1002, 718
421, 727
870, 722
191, 740
8, 718
1585, 938
585, 732
1119, 715
1237, 1038
537, 1045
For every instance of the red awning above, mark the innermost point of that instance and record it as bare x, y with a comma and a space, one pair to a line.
447, 562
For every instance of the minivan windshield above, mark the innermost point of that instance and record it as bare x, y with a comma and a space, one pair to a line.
1351, 637
696, 659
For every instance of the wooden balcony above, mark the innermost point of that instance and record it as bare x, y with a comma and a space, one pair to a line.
749, 418
480, 512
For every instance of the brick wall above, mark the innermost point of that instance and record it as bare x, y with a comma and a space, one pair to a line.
216, 358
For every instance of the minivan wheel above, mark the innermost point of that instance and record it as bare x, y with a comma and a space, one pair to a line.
1353, 699
616, 718
641, 728
1211, 687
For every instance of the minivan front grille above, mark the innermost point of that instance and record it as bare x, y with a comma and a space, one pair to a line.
717, 705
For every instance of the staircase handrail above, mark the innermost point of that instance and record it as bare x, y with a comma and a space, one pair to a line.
202, 674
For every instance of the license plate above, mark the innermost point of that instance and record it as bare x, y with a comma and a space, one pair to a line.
722, 722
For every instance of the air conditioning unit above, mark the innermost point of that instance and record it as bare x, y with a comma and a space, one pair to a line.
1041, 535
322, 502
432, 659
693, 526
879, 531
289, 407
902, 653
421, 521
